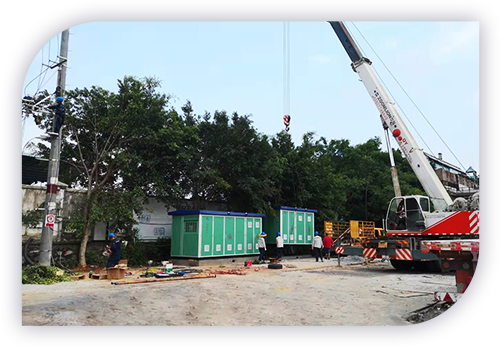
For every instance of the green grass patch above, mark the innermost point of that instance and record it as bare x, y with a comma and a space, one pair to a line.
40, 274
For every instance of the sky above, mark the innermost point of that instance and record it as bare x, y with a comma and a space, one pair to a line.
238, 67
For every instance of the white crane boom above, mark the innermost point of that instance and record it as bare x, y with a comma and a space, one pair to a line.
408, 145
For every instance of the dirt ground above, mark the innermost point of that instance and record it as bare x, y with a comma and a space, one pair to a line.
310, 293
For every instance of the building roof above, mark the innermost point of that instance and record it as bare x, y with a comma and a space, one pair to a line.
33, 170
444, 163
295, 209
216, 213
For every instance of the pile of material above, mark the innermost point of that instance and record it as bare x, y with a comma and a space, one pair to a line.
238, 271
241, 271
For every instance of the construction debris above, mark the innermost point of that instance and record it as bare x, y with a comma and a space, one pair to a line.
238, 271
164, 279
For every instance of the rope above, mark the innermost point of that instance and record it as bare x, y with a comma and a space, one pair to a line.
286, 74
286, 95
422, 114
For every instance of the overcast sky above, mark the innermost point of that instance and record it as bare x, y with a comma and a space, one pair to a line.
238, 66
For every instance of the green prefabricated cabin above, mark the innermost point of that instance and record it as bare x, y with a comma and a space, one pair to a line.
204, 234
296, 225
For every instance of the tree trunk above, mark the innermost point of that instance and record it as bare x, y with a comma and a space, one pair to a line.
83, 246
87, 231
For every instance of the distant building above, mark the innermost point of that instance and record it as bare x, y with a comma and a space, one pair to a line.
456, 181
153, 224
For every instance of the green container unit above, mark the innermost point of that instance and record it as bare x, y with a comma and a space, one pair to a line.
203, 234
297, 225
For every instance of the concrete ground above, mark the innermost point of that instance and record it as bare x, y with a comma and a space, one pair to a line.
308, 293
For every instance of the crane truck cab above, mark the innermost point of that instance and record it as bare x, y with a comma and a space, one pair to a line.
413, 215
407, 213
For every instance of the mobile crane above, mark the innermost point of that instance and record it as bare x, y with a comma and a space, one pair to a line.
409, 220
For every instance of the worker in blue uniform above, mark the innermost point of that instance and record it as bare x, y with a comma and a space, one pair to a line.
60, 115
115, 249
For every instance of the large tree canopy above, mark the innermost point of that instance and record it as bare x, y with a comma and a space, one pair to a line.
132, 144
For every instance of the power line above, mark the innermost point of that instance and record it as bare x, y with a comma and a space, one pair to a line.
422, 114
389, 91
34, 79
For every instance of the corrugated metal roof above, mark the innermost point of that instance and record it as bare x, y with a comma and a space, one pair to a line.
444, 163
295, 209
216, 213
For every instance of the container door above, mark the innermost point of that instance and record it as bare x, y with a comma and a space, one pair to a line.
218, 236
206, 236
309, 228
285, 226
190, 236
229, 236
240, 235
257, 231
251, 238
300, 227
176, 236
292, 227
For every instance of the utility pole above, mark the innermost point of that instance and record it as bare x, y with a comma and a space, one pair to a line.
49, 221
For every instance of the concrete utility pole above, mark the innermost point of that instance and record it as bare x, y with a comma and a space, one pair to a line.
49, 221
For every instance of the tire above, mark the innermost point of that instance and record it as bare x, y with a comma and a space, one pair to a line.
421, 266
434, 266
275, 266
401, 264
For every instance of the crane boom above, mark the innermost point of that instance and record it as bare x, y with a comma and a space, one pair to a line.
408, 145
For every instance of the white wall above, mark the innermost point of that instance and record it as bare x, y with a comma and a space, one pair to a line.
155, 222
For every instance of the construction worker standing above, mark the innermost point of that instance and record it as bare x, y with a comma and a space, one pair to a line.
327, 246
60, 115
280, 246
317, 246
261, 243
115, 249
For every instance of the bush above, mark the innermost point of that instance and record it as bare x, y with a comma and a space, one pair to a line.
160, 250
94, 258
40, 274
133, 253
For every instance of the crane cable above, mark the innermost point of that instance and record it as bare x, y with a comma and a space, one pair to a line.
287, 109
286, 76
286, 98
422, 114
388, 89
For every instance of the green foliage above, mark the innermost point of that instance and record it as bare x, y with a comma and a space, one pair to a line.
160, 250
32, 218
76, 225
40, 274
95, 258
129, 145
134, 254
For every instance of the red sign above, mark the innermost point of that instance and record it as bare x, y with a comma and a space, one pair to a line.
50, 219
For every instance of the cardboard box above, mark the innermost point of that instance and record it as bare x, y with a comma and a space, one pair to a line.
115, 273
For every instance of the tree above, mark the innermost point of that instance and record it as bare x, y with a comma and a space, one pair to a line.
106, 144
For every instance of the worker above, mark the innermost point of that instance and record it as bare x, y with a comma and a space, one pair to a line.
280, 246
261, 243
327, 246
402, 219
60, 115
115, 249
317, 246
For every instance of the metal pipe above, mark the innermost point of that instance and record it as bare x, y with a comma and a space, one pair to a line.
165, 279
